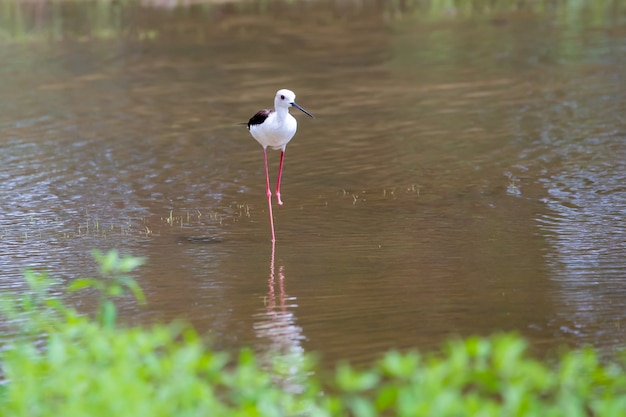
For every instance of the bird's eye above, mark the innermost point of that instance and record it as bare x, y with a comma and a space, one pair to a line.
282, 97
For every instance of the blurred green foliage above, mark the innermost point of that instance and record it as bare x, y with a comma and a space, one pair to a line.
69, 364
23, 21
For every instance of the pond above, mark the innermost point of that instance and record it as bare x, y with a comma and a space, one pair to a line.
465, 172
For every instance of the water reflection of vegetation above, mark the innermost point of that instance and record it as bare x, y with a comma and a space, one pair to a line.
57, 20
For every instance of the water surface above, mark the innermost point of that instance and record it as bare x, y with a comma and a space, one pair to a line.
464, 174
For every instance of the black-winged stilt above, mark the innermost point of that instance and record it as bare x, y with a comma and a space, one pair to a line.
275, 128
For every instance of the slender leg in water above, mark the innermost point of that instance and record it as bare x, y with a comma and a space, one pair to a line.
280, 173
269, 193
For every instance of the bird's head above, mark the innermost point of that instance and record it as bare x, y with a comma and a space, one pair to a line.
287, 98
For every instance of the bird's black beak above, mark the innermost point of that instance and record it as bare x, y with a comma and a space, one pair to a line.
294, 104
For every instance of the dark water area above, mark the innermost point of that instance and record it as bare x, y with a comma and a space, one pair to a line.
464, 174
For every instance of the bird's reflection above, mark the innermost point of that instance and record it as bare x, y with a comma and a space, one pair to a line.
284, 353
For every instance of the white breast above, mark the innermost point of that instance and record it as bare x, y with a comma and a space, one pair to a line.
274, 132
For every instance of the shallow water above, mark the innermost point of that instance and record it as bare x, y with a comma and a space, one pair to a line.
464, 174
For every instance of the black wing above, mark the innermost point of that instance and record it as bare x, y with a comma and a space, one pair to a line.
259, 118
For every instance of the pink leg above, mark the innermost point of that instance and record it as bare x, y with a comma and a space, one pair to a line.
280, 173
269, 194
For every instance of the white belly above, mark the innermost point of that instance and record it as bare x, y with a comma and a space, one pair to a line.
273, 133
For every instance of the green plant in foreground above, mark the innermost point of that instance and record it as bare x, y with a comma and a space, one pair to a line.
37, 310
77, 366
116, 280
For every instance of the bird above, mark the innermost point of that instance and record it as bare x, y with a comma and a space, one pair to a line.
274, 128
